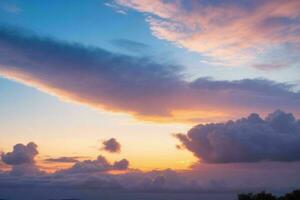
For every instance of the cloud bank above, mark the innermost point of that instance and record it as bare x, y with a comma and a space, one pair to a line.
214, 178
143, 88
95, 166
99, 174
251, 139
229, 31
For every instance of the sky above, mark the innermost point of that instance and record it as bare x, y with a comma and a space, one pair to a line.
151, 92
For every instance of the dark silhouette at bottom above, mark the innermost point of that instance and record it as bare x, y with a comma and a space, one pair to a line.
295, 195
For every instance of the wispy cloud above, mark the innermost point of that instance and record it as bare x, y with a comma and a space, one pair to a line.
64, 159
233, 32
117, 8
129, 45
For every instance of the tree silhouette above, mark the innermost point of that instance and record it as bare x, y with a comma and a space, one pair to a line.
248, 196
295, 195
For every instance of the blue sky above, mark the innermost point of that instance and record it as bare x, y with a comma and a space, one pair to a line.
87, 23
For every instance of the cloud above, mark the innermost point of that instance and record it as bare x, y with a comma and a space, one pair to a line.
206, 178
63, 159
269, 66
251, 139
121, 165
141, 87
129, 45
3, 166
96, 174
99, 165
21, 154
111, 145
25, 170
233, 32
117, 8
23, 163
22, 159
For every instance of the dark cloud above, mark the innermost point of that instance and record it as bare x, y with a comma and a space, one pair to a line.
22, 159
22, 162
142, 87
21, 154
111, 145
96, 166
129, 45
251, 139
87, 74
121, 165
25, 170
64, 159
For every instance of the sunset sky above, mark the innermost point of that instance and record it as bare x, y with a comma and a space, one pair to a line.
144, 73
